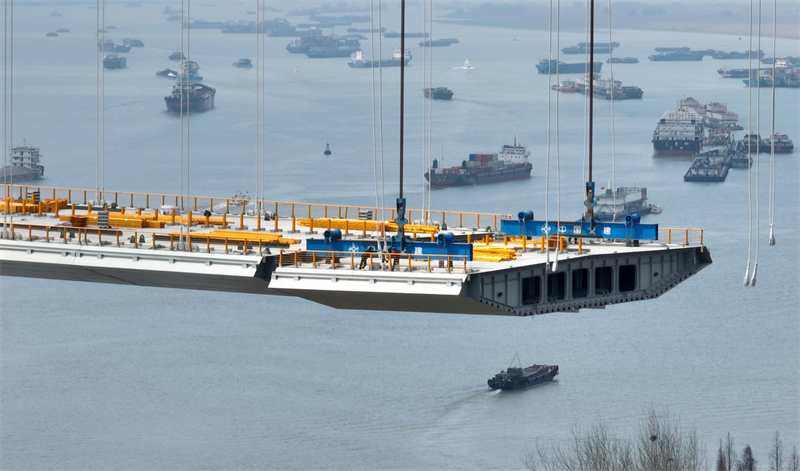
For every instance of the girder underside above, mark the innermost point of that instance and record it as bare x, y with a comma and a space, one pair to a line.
495, 292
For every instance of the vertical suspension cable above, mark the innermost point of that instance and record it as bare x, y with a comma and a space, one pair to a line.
591, 87
6, 173
188, 104
430, 101
8, 107
99, 56
380, 116
262, 189
402, 86
585, 94
549, 98
749, 147
424, 110
772, 181
184, 68
374, 130
613, 130
758, 157
558, 136
258, 101
103, 111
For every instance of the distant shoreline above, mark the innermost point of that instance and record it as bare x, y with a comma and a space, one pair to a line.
786, 31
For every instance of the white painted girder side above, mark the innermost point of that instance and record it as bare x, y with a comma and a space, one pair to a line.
109, 259
321, 279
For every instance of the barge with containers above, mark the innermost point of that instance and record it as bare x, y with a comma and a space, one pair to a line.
555, 67
511, 163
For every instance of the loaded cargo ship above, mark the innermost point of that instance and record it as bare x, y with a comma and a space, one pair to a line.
191, 97
359, 62
582, 48
553, 66
438, 93
678, 133
511, 163
438, 42
677, 56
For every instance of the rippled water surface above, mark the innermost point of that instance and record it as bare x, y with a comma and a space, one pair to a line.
116, 377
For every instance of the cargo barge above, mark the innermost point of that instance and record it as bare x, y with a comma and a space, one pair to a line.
511, 163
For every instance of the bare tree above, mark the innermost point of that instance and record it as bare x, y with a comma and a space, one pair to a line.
730, 454
661, 444
794, 461
776, 454
748, 461
722, 464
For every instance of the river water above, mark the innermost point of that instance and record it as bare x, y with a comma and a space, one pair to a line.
97, 377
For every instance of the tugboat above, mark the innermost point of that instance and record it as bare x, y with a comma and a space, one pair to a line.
327, 149
243, 63
520, 378
438, 93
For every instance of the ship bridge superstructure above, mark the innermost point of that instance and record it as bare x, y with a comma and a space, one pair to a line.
342, 256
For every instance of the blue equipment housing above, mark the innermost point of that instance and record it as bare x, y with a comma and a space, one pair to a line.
631, 229
437, 250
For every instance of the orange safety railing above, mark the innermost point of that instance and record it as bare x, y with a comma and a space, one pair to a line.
238, 206
137, 238
364, 260
681, 236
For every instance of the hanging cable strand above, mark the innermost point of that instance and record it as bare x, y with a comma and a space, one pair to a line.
424, 82
429, 38
99, 55
188, 104
372, 108
8, 105
758, 159
613, 130
182, 103
380, 118
258, 101
5, 115
772, 131
549, 99
585, 96
263, 105
749, 150
558, 136
103, 113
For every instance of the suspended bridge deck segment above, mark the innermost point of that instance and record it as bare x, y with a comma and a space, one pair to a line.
280, 248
